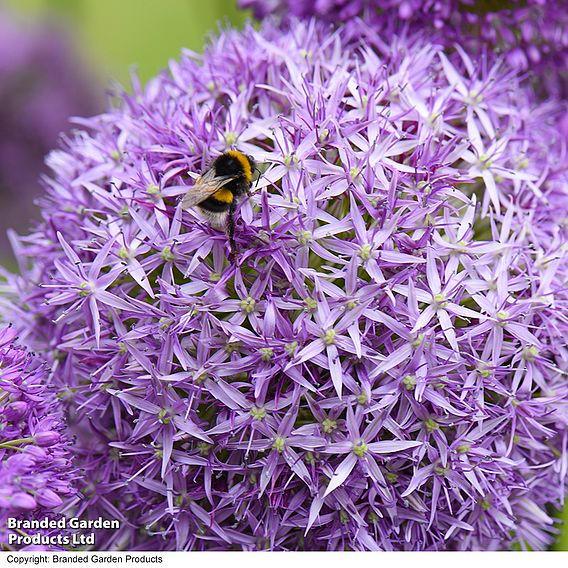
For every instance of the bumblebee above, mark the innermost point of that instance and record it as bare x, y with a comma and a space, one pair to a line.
217, 192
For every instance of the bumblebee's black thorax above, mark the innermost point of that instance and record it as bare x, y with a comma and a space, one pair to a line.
234, 164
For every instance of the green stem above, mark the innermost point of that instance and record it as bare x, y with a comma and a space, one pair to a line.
12, 444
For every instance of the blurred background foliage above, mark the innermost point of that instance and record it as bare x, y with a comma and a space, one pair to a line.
114, 36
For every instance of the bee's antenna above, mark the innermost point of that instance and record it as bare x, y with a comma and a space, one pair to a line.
260, 174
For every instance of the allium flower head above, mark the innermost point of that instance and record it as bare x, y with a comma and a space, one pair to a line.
532, 35
41, 85
35, 469
384, 366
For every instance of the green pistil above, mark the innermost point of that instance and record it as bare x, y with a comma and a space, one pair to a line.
329, 425
67, 393
266, 354
85, 290
323, 134
179, 500
484, 371
122, 348
304, 237
163, 416
556, 452
291, 347
200, 379
158, 454
248, 305
214, 277
263, 236
153, 189
310, 458
123, 253
434, 119
464, 449
431, 425
418, 341
523, 163
290, 160
166, 254
329, 337
278, 444
124, 211
310, 304
502, 316
409, 382
474, 97
230, 138
372, 517
351, 304
440, 301
484, 162
233, 347
391, 476
362, 399
343, 517
204, 448
365, 252
57, 356
258, 413
360, 449
354, 172
530, 354
441, 471
486, 504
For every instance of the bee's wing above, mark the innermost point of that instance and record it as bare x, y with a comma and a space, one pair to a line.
204, 187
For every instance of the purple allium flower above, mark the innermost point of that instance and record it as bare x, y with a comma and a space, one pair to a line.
36, 475
41, 85
384, 368
532, 35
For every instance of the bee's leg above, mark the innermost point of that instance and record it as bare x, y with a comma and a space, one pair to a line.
231, 233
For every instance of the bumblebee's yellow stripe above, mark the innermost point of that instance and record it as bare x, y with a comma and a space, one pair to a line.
223, 195
244, 162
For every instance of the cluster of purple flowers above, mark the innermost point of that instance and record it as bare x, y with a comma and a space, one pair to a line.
532, 35
41, 85
36, 473
384, 367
